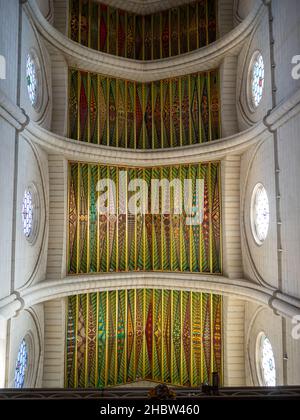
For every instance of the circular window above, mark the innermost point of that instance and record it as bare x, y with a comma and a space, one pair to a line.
21, 365
30, 207
266, 362
260, 214
27, 213
257, 79
32, 78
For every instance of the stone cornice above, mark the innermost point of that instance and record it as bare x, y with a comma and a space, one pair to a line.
115, 394
144, 7
72, 285
286, 110
216, 150
199, 60
80, 151
12, 113
10, 306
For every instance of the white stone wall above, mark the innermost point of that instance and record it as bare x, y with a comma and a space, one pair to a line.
56, 265
61, 13
234, 342
8, 20
32, 42
8, 49
262, 320
225, 16
228, 76
21, 163
8, 87
258, 41
54, 366
31, 258
280, 156
289, 176
142, 6
286, 25
60, 94
292, 348
259, 261
244, 7
46, 8
28, 325
6, 188
232, 256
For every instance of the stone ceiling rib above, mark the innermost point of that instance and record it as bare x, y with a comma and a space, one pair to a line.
144, 7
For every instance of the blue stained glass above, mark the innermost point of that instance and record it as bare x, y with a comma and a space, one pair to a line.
27, 213
267, 361
260, 213
21, 365
258, 79
32, 79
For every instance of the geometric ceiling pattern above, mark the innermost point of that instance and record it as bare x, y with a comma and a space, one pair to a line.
117, 240
169, 113
158, 335
159, 35
166, 336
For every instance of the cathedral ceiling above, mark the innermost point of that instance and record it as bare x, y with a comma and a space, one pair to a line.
144, 7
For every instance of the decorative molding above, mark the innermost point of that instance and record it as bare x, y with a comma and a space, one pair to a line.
283, 112
120, 393
228, 77
225, 16
232, 253
37, 347
202, 59
50, 14
244, 235
54, 336
41, 112
248, 115
215, 150
234, 342
12, 113
252, 369
237, 18
81, 151
72, 285
57, 239
144, 7
41, 230
60, 15
10, 306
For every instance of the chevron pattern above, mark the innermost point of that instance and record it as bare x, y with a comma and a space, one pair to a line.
121, 241
160, 35
123, 336
162, 114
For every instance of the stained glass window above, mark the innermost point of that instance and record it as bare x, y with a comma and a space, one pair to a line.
21, 365
27, 213
260, 213
257, 79
32, 79
267, 362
